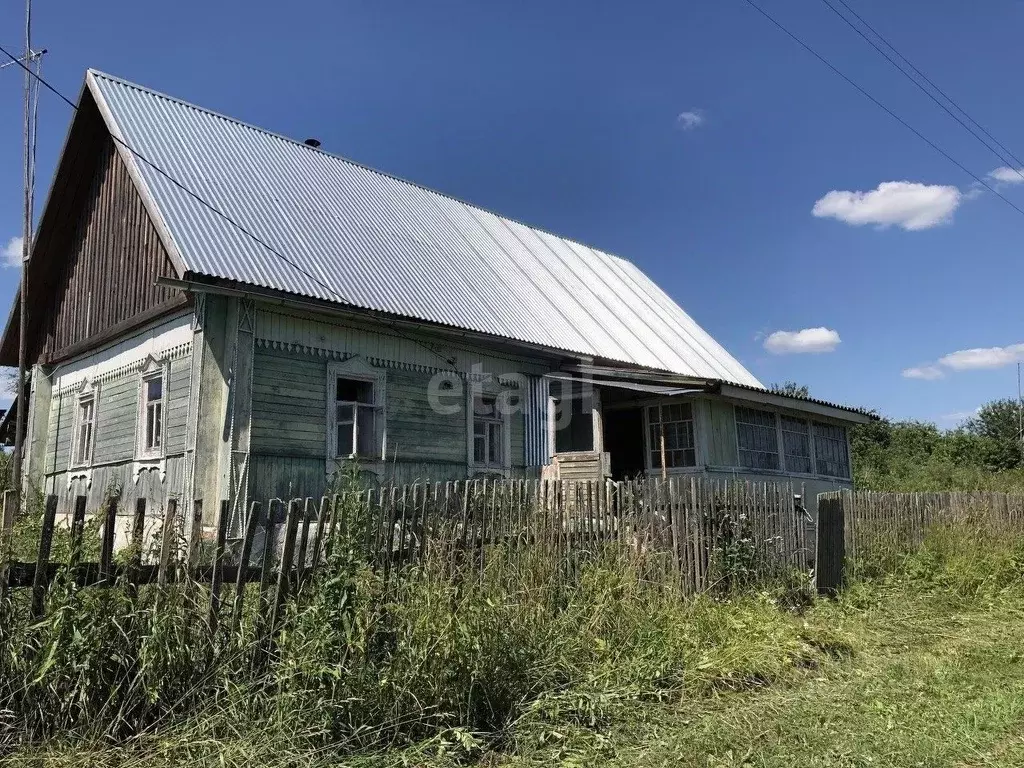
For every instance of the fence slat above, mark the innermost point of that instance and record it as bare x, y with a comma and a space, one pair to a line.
167, 534
217, 578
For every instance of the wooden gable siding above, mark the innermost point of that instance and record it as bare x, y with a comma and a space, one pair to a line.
114, 256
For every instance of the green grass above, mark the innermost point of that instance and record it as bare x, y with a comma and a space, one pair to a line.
531, 665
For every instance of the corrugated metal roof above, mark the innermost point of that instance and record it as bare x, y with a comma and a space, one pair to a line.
345, 233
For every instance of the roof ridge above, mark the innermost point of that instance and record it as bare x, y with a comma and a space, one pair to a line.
350, 161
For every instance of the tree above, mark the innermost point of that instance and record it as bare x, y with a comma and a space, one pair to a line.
790, 388
998, 423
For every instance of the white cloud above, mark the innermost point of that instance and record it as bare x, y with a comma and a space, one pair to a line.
808, 340
906, 204
12, 252
690, 119
1006, 175
978, 358
926, 372
983, 357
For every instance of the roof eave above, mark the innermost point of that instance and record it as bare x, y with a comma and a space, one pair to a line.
807, 405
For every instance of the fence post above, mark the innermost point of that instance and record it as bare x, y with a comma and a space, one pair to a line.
167, 541
39, 581
77, 530
107, 542
7, 538
243, 565
217, 577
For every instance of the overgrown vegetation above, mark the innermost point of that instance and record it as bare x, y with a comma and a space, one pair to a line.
538, 666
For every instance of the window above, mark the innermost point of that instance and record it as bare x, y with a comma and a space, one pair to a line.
830, 450
757, 438
355, 417
674, 423
151, 415
796, 444
488, 432
86, 418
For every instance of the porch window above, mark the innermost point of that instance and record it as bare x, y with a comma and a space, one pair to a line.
796, 445
757, 435
355, 418
86, 420
830, 451
151, 415
488, 432
674, 423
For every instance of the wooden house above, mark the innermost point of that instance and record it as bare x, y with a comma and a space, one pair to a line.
219, 312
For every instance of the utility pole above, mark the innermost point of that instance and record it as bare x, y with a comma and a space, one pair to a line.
26, 250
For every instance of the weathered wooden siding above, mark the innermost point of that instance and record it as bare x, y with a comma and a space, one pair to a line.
105, 276
289, 432
105, 477
116, 416
289, 405
415, 431
179, 386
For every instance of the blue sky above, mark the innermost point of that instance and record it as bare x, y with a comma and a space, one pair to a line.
695, 139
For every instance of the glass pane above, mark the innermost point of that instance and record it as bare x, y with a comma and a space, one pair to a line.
154, 389
149, 427
157, 424
344, 414
366, 431
354, 391
479, 449
479, 428
656, 459
494, 447
345, 446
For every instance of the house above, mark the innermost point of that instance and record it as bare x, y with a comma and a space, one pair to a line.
219, 312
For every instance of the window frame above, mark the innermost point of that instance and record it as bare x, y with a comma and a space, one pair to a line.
843, 442
152, 370
649, 448
810, 422
808, 433
356, 369
88, 393
502, 418
780, 466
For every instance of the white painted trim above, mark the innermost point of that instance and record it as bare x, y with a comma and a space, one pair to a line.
359, 369
167, 340
87, 391
151, 369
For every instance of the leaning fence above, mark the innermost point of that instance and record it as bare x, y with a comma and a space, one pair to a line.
860, 527
698, 534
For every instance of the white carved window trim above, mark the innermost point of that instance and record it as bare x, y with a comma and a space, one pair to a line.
356, 369
150, 371
501, 419
89, 393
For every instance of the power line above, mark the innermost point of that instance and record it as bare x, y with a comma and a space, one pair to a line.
211, 207
882, 106
1014, 163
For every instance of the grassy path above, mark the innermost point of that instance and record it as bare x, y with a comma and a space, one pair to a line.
933, 682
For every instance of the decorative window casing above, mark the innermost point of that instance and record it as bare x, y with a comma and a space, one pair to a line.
488, 426
83, 437
757, 439
488, 432
152, 417
356, 415
673, 423
831, 451
796, 445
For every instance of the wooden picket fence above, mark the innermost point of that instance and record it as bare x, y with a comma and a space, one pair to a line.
705, 532
857, 526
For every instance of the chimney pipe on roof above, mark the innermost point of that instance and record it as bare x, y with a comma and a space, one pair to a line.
314, 143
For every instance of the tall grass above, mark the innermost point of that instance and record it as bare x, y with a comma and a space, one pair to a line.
444, 652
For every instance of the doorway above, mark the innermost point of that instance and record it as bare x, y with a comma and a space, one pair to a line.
624, 442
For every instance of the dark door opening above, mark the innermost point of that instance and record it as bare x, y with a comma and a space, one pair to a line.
624, 442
